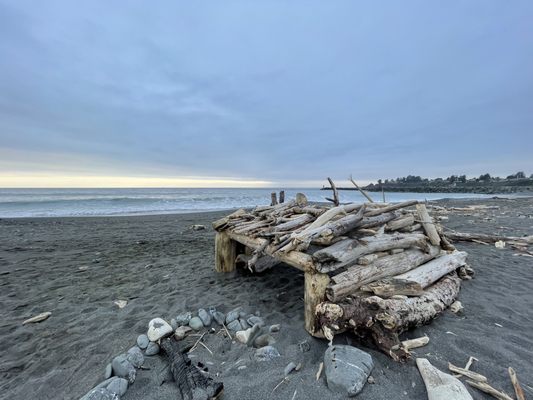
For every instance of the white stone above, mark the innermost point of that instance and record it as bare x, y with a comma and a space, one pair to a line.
158, 328
243, 336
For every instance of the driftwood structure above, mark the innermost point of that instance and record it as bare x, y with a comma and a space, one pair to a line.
376, 269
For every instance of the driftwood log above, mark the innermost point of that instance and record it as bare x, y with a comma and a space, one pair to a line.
385, 319
191, 382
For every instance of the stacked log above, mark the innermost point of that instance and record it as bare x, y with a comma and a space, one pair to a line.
376, 269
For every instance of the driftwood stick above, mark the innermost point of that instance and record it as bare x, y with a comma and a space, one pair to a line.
415, 343
516, 385
400, 223
390, 208
335, 192
472, 237
485, 387
466, 372
439, 385
428, 224
361, 190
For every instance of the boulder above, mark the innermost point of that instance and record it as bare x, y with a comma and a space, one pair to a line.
347, 369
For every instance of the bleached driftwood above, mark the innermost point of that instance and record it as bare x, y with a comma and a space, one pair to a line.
458, 236
415, 343
428, 224
400, 223
439, 385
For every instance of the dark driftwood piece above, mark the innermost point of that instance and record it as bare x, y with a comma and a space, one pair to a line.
191, 382
385, 319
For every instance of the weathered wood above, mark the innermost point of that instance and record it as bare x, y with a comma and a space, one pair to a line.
273, 199
390, 208
400, 223
282, 196
294, 223
458, 236
466, 372
346, 252
428, 224
516, 385
385, 319
261, 264
415, 343
192, 383
225, 252
219, 223
439, 385
335, 199
361, 190
485, 387
315, 292
296, 259
377, 220
393, 287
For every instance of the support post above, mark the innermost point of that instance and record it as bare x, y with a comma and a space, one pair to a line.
274, 198
225, 252
315, 293
282, 196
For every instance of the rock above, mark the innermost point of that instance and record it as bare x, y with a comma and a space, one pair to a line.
196, 323
118, 386
108, 371
289, 368
266, 353
198, 227
184, 318
205, 317
100, 394
142, 341
173, 323
254, 332
456, 307
182, 331
304, 346
135, 357
219, 317
253, 320
152, 349
235, 325
347, 369
232, 315
158, 328
241, 367
274, 328
244, 324
243, 336
264, 340
123, 368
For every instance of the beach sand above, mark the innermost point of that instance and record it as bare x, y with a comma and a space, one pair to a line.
77, 267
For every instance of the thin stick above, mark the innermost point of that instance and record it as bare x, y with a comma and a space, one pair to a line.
485, 387
207, 348
227, 332
517, 388
335, 192
470, 362
279, 384
196, 344
361, 190
469, 374
320, 368
294, 395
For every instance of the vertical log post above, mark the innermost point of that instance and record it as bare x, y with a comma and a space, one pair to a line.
282, 196
274, 198
225, 253
315, 293
428, 224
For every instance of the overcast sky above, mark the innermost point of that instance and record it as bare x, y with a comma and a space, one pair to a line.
263, 92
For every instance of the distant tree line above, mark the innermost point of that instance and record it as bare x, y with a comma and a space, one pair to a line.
452, 179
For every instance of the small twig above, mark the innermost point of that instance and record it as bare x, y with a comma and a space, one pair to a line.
227, 332
279, 384
320, 368
294, 395
517, 388
207, 348
196, 344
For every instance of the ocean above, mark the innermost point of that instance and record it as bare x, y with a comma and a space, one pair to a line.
114, 202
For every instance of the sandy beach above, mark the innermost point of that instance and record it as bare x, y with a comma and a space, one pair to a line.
76, 268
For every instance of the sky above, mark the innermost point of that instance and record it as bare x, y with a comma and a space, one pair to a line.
262, 93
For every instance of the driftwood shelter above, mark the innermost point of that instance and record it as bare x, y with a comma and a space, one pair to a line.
376, 269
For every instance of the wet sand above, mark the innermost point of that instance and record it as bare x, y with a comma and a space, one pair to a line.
77, 267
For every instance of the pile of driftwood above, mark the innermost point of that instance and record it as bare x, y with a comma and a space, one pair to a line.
376, 269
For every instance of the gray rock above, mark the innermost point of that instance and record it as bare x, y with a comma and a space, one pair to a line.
142, 341
108, 371
135, 357
266, 353
184, 318
244, 324
219, 317
264, 340
254, 332
304, 346
173, 323
289, 368
233, 315
118, 386
274, 328
205, 317
347, 369
253, 320
242, 314
123, 368
100, 394
196, 323
152, 349
182, 331
158, 328
235, 325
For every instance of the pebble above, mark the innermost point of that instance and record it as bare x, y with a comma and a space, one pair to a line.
233, 315
196, 323
347, 369
266, 353
205, 317
241, 367
235, 325
274, 328
219, 317
289, 368
100, 394
108, 371
135, 357
304, 346
123, 368
254, 331
142, 341
118, 386
243, 336
152, 349
264, 340
173, 323
244, 324
182, 331
184, 318
253, 320
158, 328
